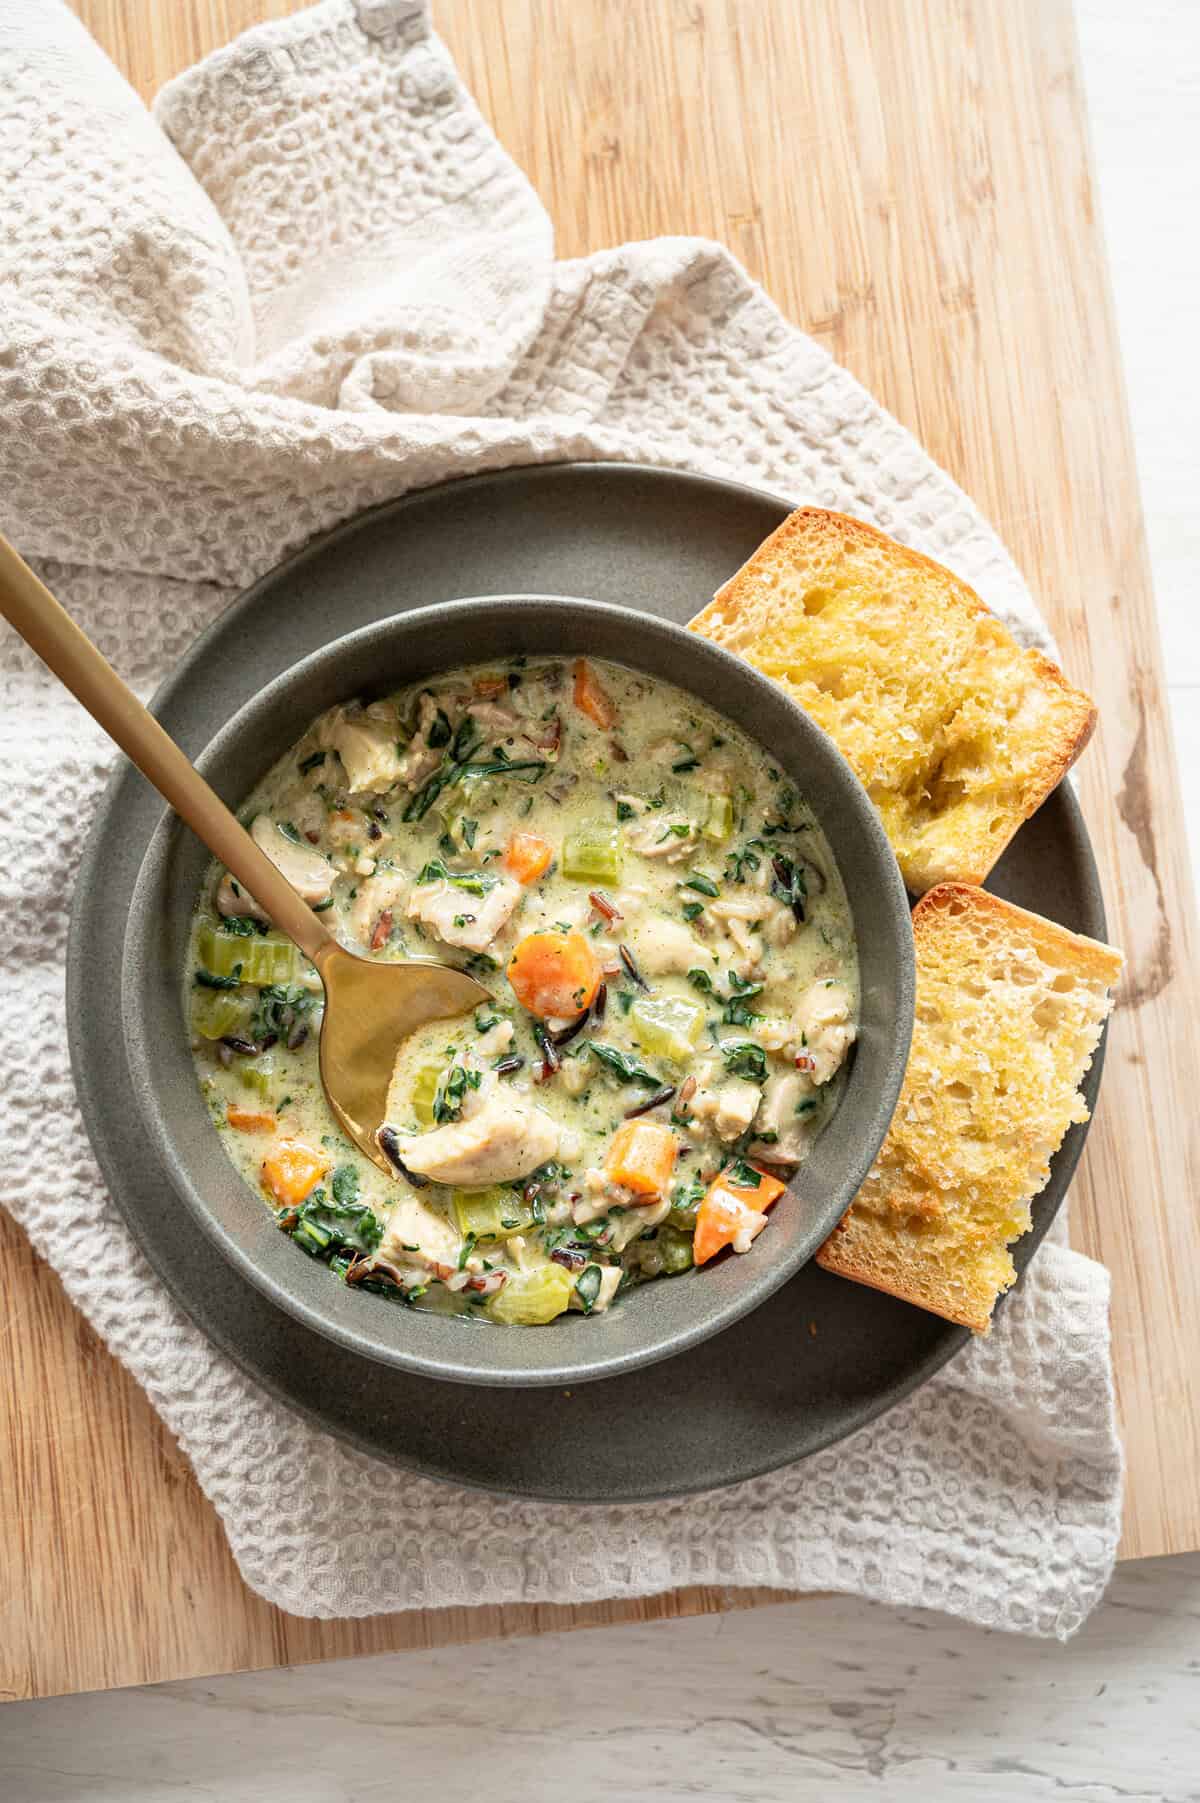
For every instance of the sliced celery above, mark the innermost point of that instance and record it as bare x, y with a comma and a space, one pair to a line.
218, 1012
490, 1214
530, 1298
272, 959
259, 1076
266, 958
593, 854
220, 952
667, 1026
719, 824
675, 1250
423, 1091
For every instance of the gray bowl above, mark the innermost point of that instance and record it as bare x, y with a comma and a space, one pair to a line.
654, 1321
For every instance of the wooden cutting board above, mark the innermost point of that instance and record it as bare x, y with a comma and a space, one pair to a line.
910, 180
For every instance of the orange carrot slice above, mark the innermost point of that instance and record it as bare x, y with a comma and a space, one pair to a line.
729, 1209
642, 1157
590, 697
292, 1171
251, 1120
527, 856
554, 974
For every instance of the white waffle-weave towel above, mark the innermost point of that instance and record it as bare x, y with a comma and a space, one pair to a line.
310, 281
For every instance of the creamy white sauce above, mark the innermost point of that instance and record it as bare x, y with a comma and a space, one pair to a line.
684, 873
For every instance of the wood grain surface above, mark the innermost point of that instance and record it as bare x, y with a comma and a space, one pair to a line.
910, 180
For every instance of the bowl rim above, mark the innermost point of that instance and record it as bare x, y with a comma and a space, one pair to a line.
876, 1112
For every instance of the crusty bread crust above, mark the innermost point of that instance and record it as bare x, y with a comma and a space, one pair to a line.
1009, 1010
997, 726
1093, 959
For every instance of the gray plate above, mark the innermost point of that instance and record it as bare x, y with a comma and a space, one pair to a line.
764, 1392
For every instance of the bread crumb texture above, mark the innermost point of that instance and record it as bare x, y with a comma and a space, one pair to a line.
957, 733
1009, 1010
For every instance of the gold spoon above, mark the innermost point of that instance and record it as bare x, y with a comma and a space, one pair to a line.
369, 1007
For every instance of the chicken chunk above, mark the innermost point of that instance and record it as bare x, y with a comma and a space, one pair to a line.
636, 1221
367, 748
737, 1105
784, 1132
730, 1106
460, 918
826, 1030
415, 1234
665, 947
495, 1041
492, 718
504, 1141
233, 898
309, 874
669, 836
380, 893
772, 918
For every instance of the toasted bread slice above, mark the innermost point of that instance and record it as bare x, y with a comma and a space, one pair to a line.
1009, 1011
957, 733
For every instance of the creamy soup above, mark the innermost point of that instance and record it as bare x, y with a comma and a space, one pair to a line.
672, 966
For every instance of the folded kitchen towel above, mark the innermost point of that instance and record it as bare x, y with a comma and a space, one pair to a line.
310, 281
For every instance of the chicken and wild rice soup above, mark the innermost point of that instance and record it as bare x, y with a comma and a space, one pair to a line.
672, 965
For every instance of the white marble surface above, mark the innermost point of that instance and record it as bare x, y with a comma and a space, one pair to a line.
828, 1697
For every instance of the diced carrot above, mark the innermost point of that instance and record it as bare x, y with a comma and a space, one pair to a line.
554, 974
731, 1208
251, 1120
590, 698
488, 687
642, 1157
527, 856
293, 1170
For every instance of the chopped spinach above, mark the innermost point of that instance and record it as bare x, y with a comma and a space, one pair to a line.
344, 1184
788, 884
327, 1229
281, 1011
587, 1286
623, 1066
452, 1090
474, 882
208, 979
437, 733
465, 740
743, 1058
243, 926
747, 857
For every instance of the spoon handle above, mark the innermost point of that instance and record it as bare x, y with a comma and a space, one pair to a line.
27, 604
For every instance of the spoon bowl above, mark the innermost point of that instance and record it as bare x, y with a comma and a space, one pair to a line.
369, 1009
